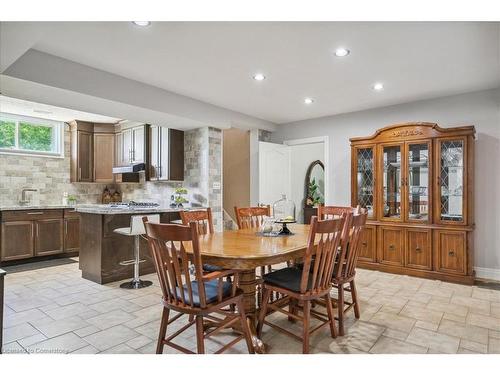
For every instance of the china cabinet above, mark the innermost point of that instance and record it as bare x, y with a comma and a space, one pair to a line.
416, 181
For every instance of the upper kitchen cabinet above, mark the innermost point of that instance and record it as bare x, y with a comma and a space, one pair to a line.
92, 152
166, 154
130, 145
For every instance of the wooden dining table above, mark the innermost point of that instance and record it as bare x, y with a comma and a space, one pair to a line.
245, 250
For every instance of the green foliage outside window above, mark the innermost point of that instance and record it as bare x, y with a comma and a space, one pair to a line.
7, 134
35, 137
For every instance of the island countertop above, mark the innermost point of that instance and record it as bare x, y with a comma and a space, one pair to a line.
104, 209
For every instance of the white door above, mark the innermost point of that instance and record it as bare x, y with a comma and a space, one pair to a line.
274, 172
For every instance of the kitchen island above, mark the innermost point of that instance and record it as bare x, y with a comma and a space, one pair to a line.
102, 250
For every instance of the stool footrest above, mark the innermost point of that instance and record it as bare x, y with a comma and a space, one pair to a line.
129, 262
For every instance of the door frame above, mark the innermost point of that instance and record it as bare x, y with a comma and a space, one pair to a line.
326, 162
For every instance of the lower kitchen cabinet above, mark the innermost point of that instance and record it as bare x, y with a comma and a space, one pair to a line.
17, 240
48, 236
32, 233
71, 234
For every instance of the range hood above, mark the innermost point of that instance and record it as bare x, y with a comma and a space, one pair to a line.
131, 168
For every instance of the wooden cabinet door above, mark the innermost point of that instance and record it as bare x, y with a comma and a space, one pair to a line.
176, 155
17, 240
363, 186
164, 148
71, 234
127, 146
138, 148
48, 236
368, 251
103, 157
85, 156
390, 240
450, 251
418, 252
118, 149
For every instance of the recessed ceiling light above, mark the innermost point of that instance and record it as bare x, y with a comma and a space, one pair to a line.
378, 86
142, 23
342, 52
308, 100
259, 77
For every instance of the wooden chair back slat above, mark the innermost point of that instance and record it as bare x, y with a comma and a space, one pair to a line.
202, 217
330, 233
346, 264
251, 217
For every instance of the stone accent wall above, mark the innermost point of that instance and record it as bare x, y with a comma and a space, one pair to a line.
202, 168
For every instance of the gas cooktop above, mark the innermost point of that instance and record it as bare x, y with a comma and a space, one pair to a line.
133, 204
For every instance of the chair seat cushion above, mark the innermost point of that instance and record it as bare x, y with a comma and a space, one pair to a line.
211, 268
287, 278
211, 291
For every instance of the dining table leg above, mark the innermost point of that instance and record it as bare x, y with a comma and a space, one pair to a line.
248, 283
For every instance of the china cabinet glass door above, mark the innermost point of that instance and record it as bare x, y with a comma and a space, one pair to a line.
365, 179
391, 181
451, 180
417, 181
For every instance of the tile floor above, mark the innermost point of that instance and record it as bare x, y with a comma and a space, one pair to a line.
54, 310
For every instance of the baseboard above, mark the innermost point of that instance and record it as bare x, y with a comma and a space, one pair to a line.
487, 273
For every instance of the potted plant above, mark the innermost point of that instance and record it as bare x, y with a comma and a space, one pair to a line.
179, 196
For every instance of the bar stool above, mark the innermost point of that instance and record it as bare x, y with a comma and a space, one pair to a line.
136, 229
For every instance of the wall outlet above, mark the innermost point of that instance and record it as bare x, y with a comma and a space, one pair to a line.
216, 185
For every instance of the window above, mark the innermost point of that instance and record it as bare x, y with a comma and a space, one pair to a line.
30, 135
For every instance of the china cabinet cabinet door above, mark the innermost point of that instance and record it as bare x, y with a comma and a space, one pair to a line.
451, 181
391, 181
368, 251
418, 252
391, 245
417, 181
364, 188
450, 251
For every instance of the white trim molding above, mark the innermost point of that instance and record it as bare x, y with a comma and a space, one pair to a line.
487, 273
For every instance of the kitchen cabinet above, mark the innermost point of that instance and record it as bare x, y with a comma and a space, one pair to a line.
103, 158
416, 181
32, 233
92, 152
166, 154
131, 145
17, 240
48, 236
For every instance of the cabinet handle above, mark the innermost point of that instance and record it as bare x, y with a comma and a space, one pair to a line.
364, 243
35, 213
36, 226
418, 249
79, 173
392, 247
66, 228
451, 253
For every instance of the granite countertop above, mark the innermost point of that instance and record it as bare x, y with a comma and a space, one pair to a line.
104, 209
39, 207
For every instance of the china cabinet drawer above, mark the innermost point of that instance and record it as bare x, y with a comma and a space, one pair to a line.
418, 249
390, 240
450, 251
368, 251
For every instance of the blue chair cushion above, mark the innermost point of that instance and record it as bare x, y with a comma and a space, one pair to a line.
211, 268
211, 291
287, 278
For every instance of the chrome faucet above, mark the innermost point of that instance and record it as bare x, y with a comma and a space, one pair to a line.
23, 195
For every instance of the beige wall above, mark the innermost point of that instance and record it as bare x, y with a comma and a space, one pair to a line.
236, 169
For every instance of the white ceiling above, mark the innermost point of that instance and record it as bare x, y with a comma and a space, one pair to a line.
49, 112
214, 61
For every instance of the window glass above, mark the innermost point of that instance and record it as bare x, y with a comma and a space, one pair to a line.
36, 137
7, 134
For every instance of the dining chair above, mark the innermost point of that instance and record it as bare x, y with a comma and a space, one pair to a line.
204, 295
345, 267
253, 217
300, 287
